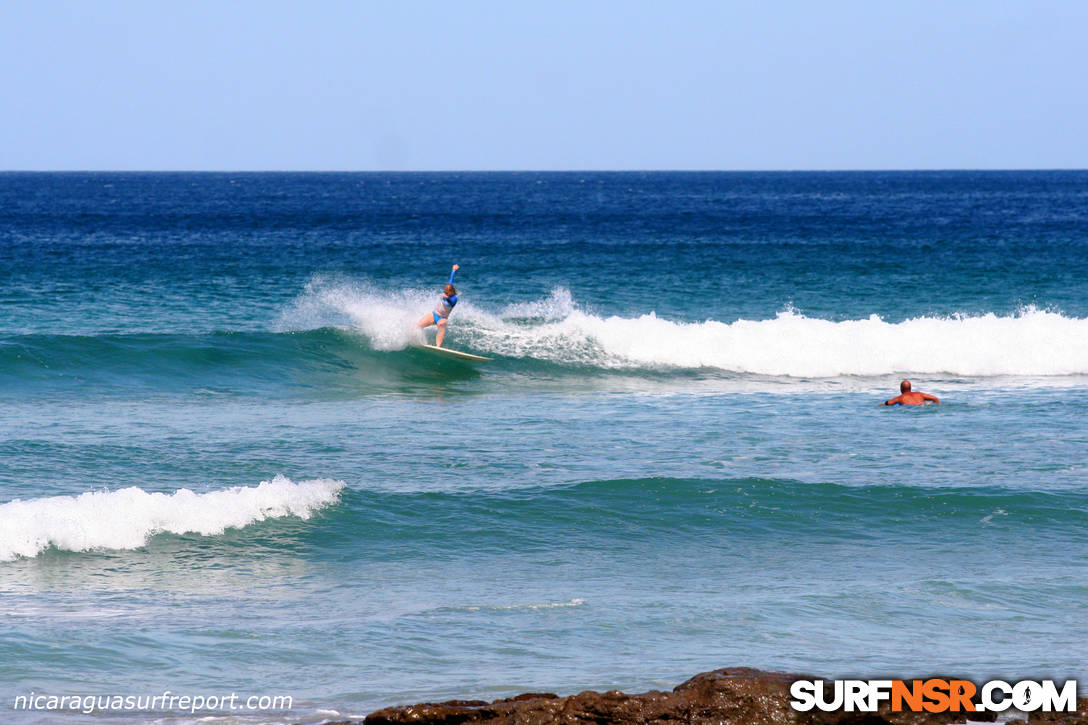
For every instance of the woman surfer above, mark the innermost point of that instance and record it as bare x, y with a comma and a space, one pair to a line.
442, 310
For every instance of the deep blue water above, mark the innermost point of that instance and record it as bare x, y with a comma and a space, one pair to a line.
676, 460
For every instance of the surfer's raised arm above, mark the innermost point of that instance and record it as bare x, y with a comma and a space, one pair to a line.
453, 272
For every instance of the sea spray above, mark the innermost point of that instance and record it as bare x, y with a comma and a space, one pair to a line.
555, 329
386, 317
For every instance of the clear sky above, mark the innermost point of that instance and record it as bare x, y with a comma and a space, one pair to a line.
458, 84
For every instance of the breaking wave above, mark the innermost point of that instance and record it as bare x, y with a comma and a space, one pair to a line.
128, 518
1029, 342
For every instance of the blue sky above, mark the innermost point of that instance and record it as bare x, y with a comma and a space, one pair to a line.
550, 85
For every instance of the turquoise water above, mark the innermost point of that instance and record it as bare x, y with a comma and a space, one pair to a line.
224, 466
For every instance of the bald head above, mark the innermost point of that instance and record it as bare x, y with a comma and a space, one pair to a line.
904, 387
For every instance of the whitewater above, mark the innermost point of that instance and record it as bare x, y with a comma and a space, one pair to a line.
1027, 342
127, 518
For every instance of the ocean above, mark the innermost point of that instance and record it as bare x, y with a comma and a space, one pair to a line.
226, 468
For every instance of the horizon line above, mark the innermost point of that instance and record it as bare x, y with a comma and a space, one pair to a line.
542, 171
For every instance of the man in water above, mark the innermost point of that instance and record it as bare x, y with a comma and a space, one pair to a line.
908, 397
442, 310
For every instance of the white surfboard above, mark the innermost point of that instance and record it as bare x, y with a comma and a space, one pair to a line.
455, 354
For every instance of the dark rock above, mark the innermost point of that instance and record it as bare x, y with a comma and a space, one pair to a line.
731, 696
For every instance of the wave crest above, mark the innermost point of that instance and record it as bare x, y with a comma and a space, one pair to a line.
127, 518
1030, 342
555, 329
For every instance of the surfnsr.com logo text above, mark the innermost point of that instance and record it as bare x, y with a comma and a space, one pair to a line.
933, 695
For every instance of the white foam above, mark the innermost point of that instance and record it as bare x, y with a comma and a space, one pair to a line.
387, 318
127, 518
558, 305
1029, 342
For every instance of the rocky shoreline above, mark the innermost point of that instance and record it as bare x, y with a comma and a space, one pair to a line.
730, 696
